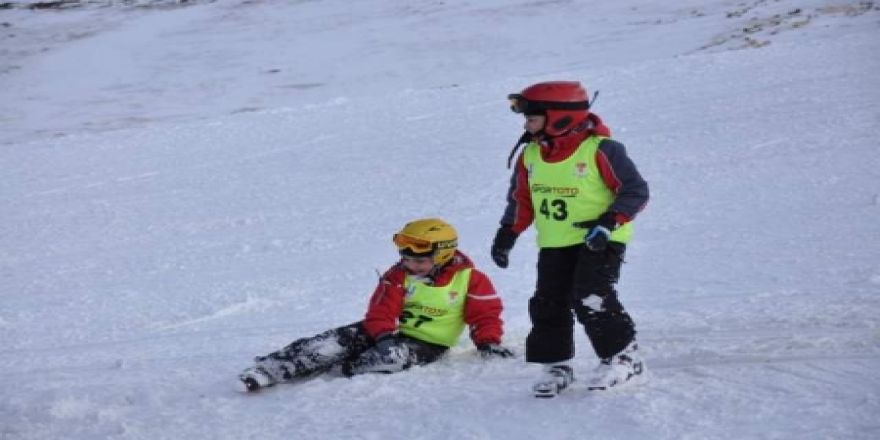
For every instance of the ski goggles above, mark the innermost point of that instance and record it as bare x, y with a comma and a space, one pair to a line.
520, 104
417, 245
414, 244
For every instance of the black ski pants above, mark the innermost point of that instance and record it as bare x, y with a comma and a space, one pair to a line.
349, 349
576, 282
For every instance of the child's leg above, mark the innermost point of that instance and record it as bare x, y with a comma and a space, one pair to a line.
608, 325
317, 354
406, 353
551, 339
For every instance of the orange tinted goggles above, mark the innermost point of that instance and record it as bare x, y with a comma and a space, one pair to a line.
414, 244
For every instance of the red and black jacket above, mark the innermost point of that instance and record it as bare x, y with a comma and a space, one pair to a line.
618, 172
482, 307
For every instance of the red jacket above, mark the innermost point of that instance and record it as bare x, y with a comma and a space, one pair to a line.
482, 307
617, 170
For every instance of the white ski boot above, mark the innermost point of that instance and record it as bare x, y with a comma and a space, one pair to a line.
255, 378
553, 380
622, 369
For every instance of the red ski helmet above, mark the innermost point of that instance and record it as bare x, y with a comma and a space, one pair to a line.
565, 104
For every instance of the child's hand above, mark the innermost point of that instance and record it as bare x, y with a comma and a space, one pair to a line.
501, 246
488, 351
598, 231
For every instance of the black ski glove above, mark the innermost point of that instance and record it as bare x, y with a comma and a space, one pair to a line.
598, 231
488, 351
501, 246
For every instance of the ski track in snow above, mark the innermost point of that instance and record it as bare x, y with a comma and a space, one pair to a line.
174, 232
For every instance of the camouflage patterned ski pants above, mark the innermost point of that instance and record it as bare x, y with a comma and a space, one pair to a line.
348, 350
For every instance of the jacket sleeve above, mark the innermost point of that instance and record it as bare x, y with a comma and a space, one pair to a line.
386, 304
519, 213
482, 310
623, 178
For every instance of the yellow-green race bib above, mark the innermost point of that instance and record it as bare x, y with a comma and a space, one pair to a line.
567, 192
435, 314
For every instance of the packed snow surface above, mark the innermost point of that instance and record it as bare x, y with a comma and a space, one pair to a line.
187, 186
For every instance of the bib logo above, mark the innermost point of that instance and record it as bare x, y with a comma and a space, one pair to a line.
452, 296
529, 168
559, 191
410, 291
580, 170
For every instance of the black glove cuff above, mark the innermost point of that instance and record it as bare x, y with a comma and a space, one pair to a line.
505, 238
608, 221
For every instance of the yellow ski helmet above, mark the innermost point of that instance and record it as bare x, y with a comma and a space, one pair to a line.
429, 237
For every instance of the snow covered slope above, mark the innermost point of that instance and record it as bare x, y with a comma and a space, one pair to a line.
187, 187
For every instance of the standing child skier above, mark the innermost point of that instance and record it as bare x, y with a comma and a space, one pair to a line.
417, 311
581, 190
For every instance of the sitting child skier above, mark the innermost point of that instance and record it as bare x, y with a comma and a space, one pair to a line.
417, 311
